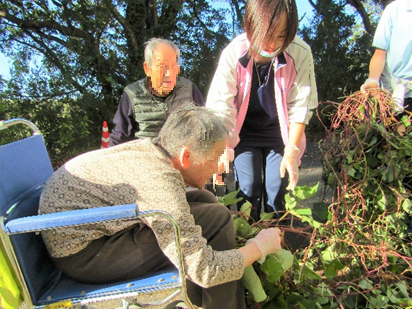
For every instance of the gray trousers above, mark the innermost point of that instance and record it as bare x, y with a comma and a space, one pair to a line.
134, 252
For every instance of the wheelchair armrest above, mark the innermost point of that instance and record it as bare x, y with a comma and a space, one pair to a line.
74, 217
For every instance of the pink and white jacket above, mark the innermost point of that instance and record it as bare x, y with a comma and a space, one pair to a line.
295, 87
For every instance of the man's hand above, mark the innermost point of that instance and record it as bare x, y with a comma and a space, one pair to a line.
224, 166
268, 241
290, 163
369, 83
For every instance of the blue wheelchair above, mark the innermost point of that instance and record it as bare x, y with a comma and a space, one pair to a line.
24, 168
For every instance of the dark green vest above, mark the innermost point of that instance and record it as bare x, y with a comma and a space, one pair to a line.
151, 112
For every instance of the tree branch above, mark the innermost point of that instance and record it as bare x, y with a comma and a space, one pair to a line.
203, 25
52, 96
151, 18
51, 56
65, 17
125, 25
38, 25
312, 4
43, 5
239, 15
170, 9
358, 5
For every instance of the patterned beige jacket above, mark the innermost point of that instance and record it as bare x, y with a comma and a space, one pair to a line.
135, 172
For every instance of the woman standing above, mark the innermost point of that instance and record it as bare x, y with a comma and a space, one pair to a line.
264, 89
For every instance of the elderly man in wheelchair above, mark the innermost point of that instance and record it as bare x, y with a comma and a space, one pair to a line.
154, 175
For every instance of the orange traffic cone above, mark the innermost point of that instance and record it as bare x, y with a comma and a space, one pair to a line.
105, 136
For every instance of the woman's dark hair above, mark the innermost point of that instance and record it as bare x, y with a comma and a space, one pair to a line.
262, 17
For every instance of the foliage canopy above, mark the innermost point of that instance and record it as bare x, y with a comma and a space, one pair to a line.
86, 52
77, 56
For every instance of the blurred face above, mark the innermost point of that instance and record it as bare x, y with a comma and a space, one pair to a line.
270, 48
163, 70
199, 173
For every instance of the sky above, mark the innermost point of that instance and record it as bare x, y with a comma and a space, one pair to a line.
302, 5
4, 66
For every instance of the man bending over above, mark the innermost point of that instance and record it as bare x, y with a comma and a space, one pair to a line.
153, 174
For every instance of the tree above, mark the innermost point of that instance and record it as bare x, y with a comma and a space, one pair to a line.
361, 6
341, 51
87, 51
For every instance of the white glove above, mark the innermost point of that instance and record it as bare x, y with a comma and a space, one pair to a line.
267, 241
400, 88
369, 83
290, 163
398, 97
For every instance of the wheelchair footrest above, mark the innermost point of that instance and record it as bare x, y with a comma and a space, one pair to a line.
67, 288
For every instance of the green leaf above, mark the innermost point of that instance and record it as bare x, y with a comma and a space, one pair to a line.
407, 206
329, 253
310, 274
290, 202
305, 192
266, 216
307, 304
305, 215
332, 268
279, 302
252, 283
331, 180
406, 303
366, 284
321, 210
382, 202
272, 291
325, 294
403, 289
351, 301
405, 121
373, 141
349, 157
246, 208
243, 228
392, 297
372, 161
388, 173
272, 268
230, 198
285, 257
380, 301
392, 259
277, 264
303, 212
351, 172
312, 222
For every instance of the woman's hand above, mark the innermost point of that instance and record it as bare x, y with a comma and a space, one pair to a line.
290, 163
